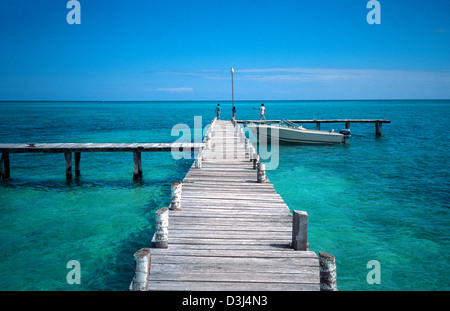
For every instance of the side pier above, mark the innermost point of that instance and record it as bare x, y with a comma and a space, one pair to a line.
77, 148
227, 228
378, 122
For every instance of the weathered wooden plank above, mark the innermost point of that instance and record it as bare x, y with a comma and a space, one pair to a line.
266, 248
218, 241
229, 286
256, 216
214, 257
256, 235
180, 275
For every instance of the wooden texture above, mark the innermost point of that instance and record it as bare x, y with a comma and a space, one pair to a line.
231, 233
142, 262
300, 231
327, 264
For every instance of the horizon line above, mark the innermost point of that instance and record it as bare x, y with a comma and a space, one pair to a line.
226, 100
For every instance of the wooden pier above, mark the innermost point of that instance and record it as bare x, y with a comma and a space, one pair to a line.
77, 148
378, 122
227, 228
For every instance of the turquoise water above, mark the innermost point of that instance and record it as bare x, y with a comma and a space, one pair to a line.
382, 199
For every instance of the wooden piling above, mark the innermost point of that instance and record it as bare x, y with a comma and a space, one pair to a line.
2, 167
261, 172
198, 161
162, 228
77, 164
137, 165
142, 264
176, 188
68, 157
7, 166
5, 171
255, 161
300, 231
328, 276
378, 129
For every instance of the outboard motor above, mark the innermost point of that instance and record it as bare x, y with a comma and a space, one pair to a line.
346, 133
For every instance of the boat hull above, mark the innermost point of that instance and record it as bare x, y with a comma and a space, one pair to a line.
291, 135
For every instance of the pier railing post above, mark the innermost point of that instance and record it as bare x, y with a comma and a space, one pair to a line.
68, 157
328, 276
176, 195
162, 228
300, 230
261, 172
142, 265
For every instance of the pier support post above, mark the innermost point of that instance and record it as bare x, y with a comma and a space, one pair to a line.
137, 165
68, 157
162, 228
378, 129
176, 188
328, 276
77, 164
2, 170
261, 172
300, 230
5, 171
142, 264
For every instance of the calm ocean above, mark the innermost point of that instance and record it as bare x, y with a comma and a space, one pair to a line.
384, 199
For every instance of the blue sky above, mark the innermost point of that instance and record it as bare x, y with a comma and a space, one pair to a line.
183, 50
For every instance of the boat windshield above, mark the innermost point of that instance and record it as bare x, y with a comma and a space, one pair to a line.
288, 123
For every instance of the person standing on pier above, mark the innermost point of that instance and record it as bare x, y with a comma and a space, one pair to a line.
218, 111
263, 110
233, 110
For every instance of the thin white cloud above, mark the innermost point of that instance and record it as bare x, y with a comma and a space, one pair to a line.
176, 89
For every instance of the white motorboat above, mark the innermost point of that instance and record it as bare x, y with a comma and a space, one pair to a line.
287, 131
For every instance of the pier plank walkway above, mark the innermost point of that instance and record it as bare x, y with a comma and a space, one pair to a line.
231, 233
